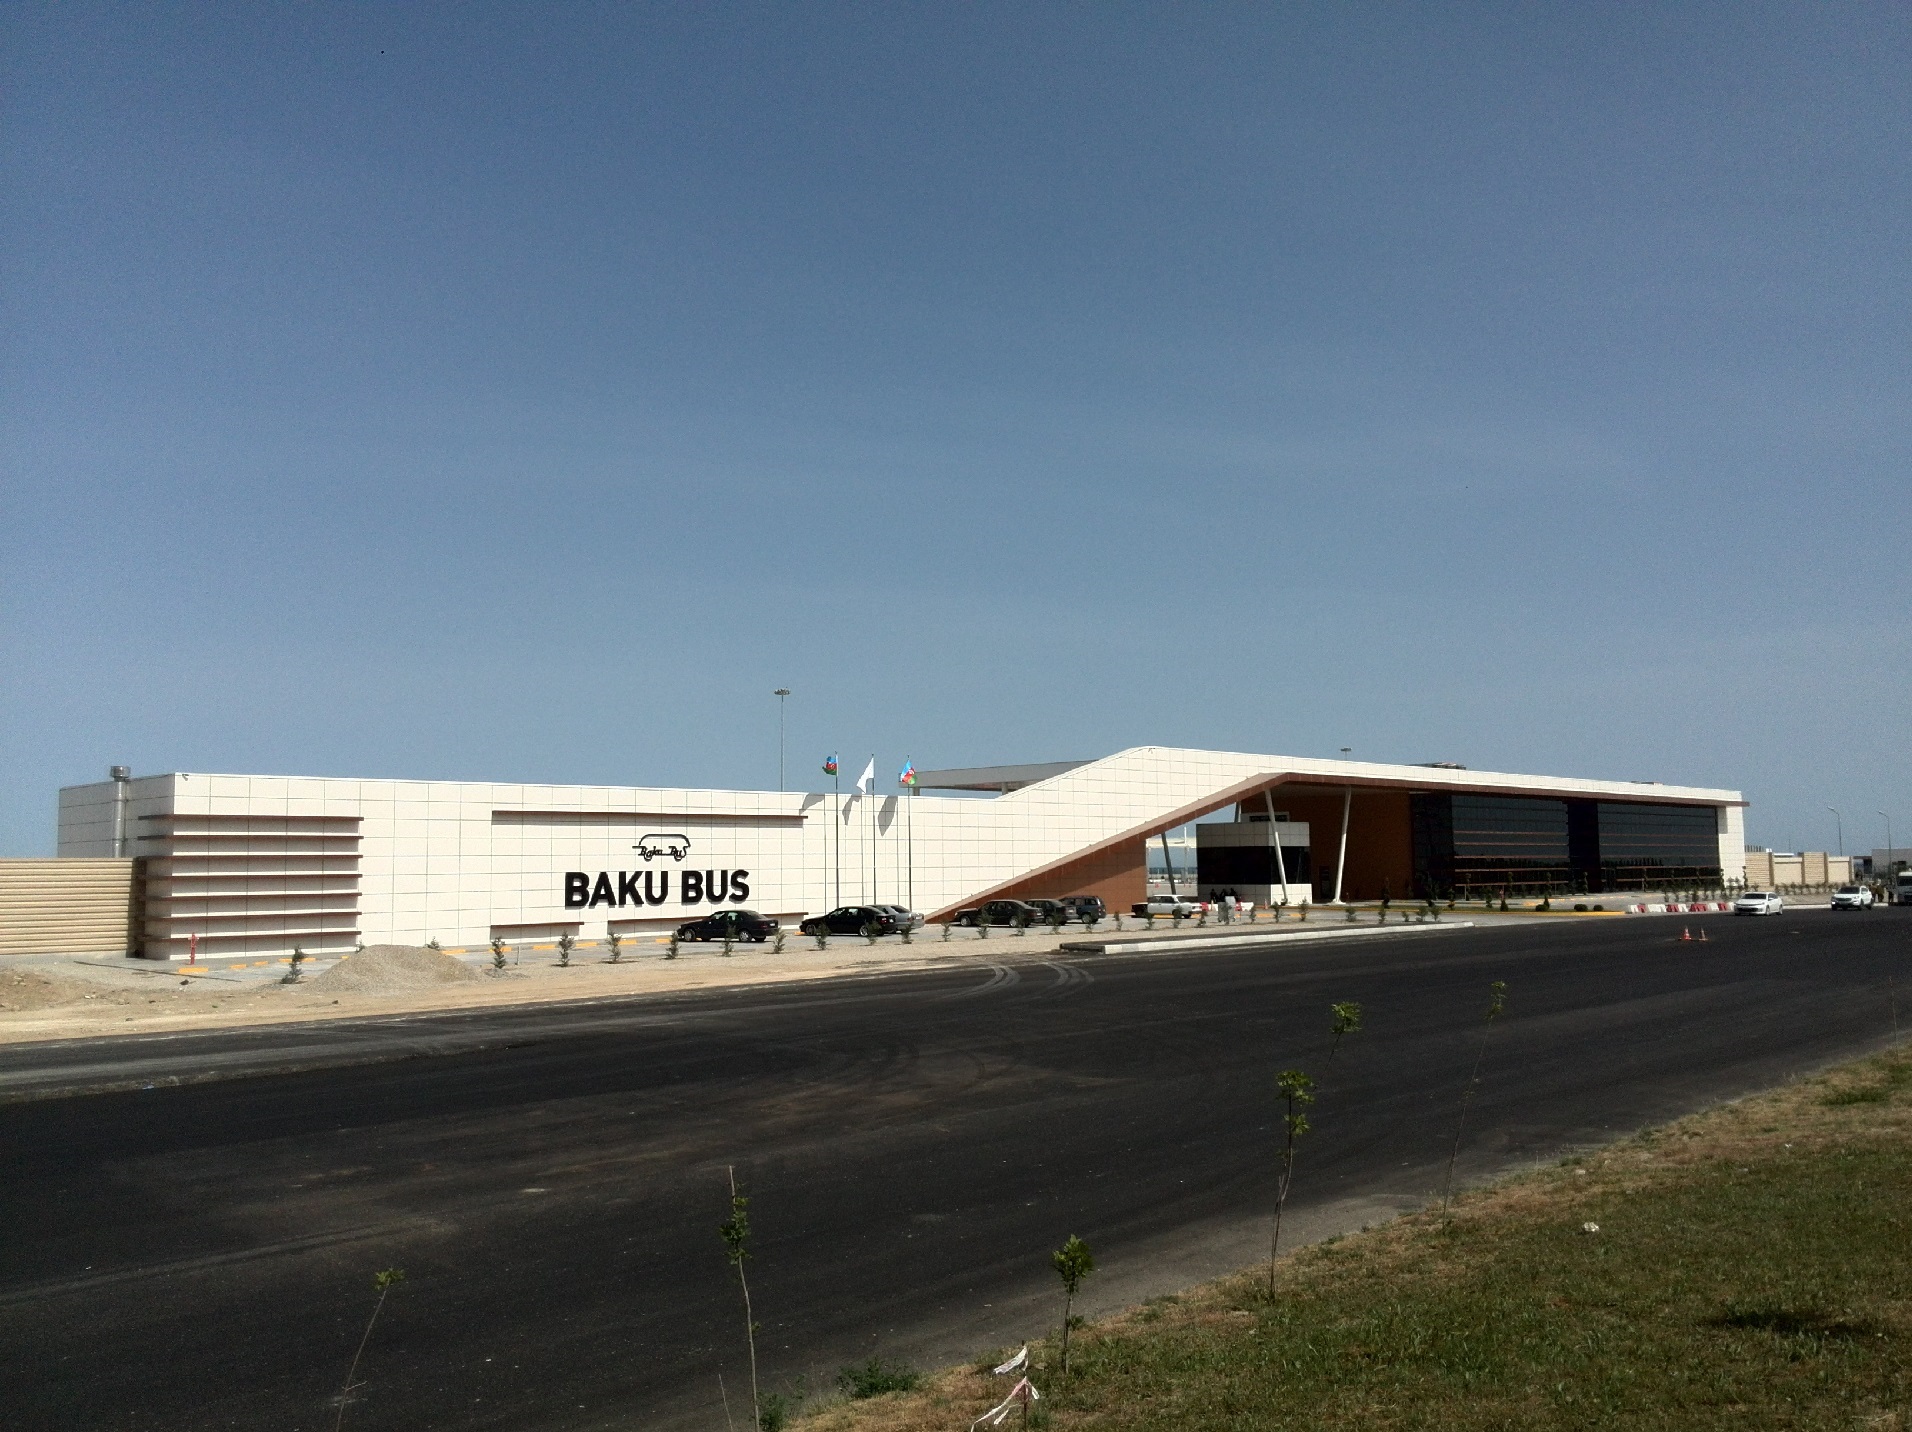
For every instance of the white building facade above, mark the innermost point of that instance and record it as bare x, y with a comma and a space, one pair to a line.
241, 864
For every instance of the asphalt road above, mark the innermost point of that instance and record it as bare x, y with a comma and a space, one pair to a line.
201, 1255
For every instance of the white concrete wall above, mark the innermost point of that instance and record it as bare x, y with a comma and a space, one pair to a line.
453, 860
1732, 842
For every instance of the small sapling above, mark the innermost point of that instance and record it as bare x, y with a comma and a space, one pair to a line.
1296, 1090
565, 945
497, 953
1073, 1262
297, 959
1343, 1019
1496, 1003
383, 1282
616, 942
735, 1231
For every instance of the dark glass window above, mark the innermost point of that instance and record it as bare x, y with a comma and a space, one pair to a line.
1653, 845
1482, 844
1249, 865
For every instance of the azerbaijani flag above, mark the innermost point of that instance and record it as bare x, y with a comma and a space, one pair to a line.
829, 766
907, 777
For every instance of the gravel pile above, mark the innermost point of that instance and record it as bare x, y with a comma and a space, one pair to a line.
392, 969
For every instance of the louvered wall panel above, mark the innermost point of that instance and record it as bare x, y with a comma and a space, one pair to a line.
68, 907
241, 884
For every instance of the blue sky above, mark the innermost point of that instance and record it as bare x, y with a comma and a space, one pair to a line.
522, 393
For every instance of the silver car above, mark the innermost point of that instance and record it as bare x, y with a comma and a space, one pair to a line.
1759, 902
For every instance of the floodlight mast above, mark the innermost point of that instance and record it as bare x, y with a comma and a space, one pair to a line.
780, 693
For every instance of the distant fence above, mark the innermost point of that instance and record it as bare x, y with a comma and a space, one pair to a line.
69, 907
1807, 869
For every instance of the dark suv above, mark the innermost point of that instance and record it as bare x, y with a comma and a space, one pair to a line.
853, 920
1085, 908
729, 925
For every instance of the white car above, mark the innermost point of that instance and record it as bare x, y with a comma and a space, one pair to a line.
1759, 902
1852, 897
1170, 905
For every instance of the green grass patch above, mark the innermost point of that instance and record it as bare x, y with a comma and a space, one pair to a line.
1752, 1267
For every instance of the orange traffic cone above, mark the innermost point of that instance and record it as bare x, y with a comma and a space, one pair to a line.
1686, 934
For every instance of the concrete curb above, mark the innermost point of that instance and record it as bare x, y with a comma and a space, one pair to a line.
1270, 937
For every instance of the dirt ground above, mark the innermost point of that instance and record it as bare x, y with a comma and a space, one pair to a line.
67, 999
62, 997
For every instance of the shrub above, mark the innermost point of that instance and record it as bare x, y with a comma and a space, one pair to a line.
775, 1409
616, 942
297, 959
670, 946
497, 953
876, 1377
565, 942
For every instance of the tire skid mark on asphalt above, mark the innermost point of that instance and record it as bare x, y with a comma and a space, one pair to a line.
1068, 976
86, 1282
1001, 977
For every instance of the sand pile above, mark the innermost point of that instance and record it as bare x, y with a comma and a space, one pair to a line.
392, 969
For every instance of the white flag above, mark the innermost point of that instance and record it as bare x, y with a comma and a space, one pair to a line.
867, 781
1014, 1363
1023, 1392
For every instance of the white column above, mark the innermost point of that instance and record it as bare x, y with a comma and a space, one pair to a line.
1341, 860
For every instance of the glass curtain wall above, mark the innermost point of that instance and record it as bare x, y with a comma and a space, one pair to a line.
1657, 847
1474, 845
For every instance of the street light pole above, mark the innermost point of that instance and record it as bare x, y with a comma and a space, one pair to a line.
1842, 827
1891, 850
780, 693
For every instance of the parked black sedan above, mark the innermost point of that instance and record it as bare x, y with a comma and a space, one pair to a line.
730, 925
1048, 911
853, 920
1001, 912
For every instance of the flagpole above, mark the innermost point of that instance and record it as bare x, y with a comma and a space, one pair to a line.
873, 876
909, 842
836, 784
